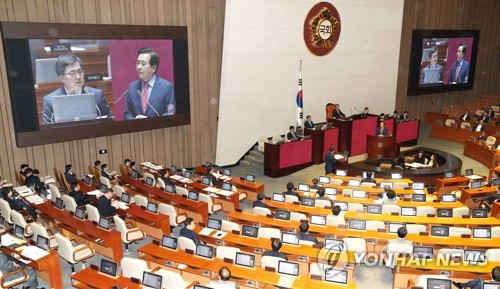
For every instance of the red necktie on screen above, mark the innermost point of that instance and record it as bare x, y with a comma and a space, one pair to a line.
145, 95
456, 72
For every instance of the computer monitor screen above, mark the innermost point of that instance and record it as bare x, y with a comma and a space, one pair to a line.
18, 231
331, 243
289, 268
393, 227
341, 173
434, 283
151, 280
448, 198
448, 175
423, 252
357, 224
330, 191
80, 213
289, 238
193, 195
396, 176
277, 197
354, 183
374, 209
125, 198
103, 188
383, 184
309, 202
491, 285
474, 256
336, 276
59, 203
324, 180
342, 205
227, 186
469, 172
475, 184
150, 181
418, 186
318, 220
249, 231
104, 223
134, 174
152, 207
108, 267
250, 178
282, 215
482, 233
188, 174
495, 182
246, 260
479, 213
42, 242
408, 211
418, 197
214, 224
201, 287
440, 231
169, 242
227, 172
444, 213
88, 180
204, 251
205, 180
303, 187
173, 169
170, 188
358, 194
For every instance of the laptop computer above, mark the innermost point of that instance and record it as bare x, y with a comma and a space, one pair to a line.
303, 187
357, 224
431, 75
440, 231
418, 197
324, 180
491, 285
282, 215
45, 70
74, 107
289, 271
278, 197
249, 231
394, 227
373, 209
474, 256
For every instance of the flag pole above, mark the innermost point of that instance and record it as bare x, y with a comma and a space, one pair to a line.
300, 103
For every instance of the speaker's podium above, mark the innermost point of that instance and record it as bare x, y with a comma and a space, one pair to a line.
284, 158
323, 137
382, 146
353, 132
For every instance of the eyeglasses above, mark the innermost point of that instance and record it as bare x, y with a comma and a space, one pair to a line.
74, 73
142, 63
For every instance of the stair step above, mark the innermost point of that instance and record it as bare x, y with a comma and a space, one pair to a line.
255, 159
256, 153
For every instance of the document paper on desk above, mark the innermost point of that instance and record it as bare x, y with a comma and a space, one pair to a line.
286, 281
8, 239
96, 193
23, 191
206, 231
34, 253
224, 193
474, 177
35, 199
211, 189
338, 156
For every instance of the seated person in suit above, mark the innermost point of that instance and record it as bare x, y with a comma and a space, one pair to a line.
23, 169
320, 194
208, 174
420, 158
133, 166
482, 137
33, 179
17, 204
69, 174
484, 117
259, 202
104, 205
365, 112
9, 264
491, 113
404, 116
224, 276
490, 198
276, 246
291, 192
304, 236
395, 115
465, 116
105, 172
291, 134
165, 178
402, 232
69, 68
369, 178
188, 231
309, 123
478, 282
81, 199
433, 163
391, 198
315, 184
480, 126
382, 130
337, 113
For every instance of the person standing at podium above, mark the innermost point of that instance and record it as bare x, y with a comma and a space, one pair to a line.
337, 113
382, 130
309, 123
291, 134
330, 161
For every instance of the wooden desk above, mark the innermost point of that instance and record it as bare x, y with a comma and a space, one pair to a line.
48, 267
445, 186
431, 117
229, 203
468, 195
482, 154
381, 146
286, 158
407, 132
451, 133
89, 278
377, 179
322, 140
154, 225
495, 210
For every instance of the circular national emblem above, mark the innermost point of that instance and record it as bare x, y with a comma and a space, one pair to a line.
322, 28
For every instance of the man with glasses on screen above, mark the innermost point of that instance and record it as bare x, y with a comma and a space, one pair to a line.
150, 95
70, 71
433, 65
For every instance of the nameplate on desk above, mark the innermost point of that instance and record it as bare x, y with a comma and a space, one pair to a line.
236, 232
251, 283
269, 215
257, 250
296, 203
189, 251
156, 242
206, 273
328, 207
406, 200
346, 195
270, 269
316, 277
201, 224
436, 201
135, 280
431, 215
94, 267
317, 246
381, 230
423, 234
219, 243
465, 235
267, 198
394, 214
238, 210
228, 260
184, 196
90, 77
303, 259
342, 226
466, 216
60, 47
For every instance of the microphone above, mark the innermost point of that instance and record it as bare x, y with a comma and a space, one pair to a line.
147, 101
96, 106
122, 96
357, 110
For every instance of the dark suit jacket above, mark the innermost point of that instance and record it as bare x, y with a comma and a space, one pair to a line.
337, 113
34, 180
420, 160
105, 208
13, 204
100, 101
185, 232
307, 237
368, 180
81, 199
107, 176
309, 124
467, 117
463, 74
275, 254
330, 162
70, 177
384, 131
161, 99
292, 193
483, 128
484, 118
291, 135
403, 117
167, 181
259, 204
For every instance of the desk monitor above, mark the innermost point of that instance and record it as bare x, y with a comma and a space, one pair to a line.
358, 194
393, 227
418, 198
125, 198
42, 242
319, 220
341, 173
282, 215
59, 203
357, 224
469, 172
342, 205
373, 209
249, 231
173, 169
336, 276
440, 231
475, 184
479, 213
169, 242
87, 180
103, 188
196, 286
491, 285
290, 238
204, 251
474, 256
227, 172
134, 174
19, 231
246, 260
418, 186
303, 187
408, 211
383, 184
324, 180
214, 224
448, 175
330, 191
45, 72
354, 183
308, 202
396, 176
448, 198
151, 280
445, 213
250, 178
227, 186
150, 181
482, 233
434, 283
288, 268
80, 213
495, 182
205, 180
170, 188
152, 207
193, 196
331, 243
188, 174
74, 107
108, 267
279, 197
423, 252
105, 223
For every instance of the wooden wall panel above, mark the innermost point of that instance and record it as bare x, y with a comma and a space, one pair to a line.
182, 146
451, 14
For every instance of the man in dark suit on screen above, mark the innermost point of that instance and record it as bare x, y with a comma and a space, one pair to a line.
460, 69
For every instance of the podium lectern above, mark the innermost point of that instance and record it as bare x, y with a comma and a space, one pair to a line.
381, 146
